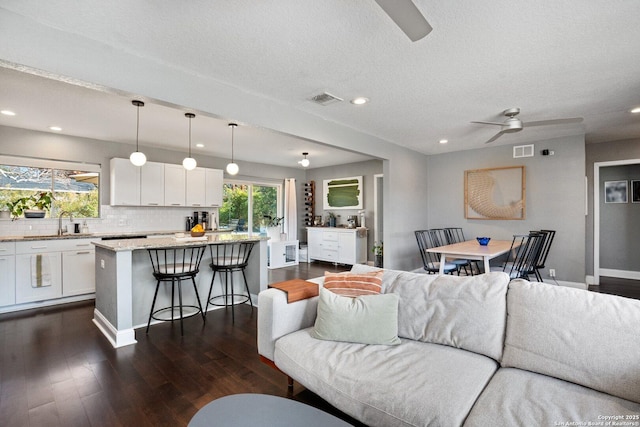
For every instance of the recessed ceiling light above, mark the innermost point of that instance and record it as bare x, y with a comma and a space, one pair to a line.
200, 145
359, 100
443, 141
7, 113
55, 128
636, 110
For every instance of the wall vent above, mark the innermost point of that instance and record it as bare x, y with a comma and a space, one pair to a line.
325, 98
522, 151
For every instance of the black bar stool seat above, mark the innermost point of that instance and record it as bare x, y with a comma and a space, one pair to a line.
174, 265
229, 258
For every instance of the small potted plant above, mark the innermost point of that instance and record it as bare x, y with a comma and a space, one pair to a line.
273, 224
331, 219
378, 251
34, 206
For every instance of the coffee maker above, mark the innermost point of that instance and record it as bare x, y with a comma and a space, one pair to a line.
352, 221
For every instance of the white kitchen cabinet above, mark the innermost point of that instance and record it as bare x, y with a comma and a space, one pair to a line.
152, 184
124, 178
196, 188
339, 245
78, 268
214, 187
30, 287
7, 274
174, 185
282, 253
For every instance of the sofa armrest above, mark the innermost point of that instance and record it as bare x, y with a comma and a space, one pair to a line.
276, 318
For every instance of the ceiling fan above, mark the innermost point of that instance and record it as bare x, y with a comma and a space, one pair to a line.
514, 124
406, 16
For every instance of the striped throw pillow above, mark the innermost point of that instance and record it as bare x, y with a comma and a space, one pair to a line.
354, 284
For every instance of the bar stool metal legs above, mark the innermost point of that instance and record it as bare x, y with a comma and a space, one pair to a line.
227, 259
173, 265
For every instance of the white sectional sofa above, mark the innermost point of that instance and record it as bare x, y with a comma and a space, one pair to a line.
475, 351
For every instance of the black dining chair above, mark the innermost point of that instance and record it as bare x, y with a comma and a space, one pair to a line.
428, 239
456, 235
525, 249
543, 253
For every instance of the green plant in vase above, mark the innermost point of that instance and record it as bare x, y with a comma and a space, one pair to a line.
40, 202
378, 252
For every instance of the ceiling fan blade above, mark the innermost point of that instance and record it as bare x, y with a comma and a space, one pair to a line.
490, 123
553, 122
496, 136
406, 16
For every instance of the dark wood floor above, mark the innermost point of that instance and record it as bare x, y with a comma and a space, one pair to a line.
56, 368
623, 287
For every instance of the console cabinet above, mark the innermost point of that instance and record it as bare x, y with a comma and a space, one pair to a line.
339, 245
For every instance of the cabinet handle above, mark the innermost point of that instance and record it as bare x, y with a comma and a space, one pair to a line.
3, 249
83, 252
176, 204
152, 204
195, 204
38, 247
83, 244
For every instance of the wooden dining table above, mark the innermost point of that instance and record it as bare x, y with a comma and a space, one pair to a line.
472, 250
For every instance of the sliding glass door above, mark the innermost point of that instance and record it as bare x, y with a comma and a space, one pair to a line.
245, 205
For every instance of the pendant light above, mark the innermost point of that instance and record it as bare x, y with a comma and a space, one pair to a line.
138, 158
189, 163
304, 162
232, 168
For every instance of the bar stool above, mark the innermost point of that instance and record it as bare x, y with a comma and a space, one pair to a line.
229, 258
174, 265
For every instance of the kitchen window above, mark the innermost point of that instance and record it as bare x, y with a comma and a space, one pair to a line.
75, 186
245, 204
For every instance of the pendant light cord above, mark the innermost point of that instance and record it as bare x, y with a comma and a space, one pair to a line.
189, 136
232, 128
137, 125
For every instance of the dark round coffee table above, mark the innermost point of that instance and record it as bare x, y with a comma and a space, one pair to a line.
250, 410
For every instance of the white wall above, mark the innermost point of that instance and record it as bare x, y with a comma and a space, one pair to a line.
555, 198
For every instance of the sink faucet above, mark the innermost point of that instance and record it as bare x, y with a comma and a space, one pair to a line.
60, 230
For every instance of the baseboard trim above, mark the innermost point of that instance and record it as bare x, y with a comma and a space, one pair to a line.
116, 338
46, 303
620, 274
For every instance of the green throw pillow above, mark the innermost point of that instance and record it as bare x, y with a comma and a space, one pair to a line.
367, 319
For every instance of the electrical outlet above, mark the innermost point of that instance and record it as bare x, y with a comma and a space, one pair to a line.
552, 272
101, 263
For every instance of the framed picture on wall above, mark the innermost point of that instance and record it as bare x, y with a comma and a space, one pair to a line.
495, 193
342, 193
635, 191
616, 192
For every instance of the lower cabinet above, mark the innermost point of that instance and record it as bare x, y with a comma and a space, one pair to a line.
38, 276
78, 272
50, 269
7, 280
342, 246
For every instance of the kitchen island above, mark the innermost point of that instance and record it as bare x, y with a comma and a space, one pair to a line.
125, 282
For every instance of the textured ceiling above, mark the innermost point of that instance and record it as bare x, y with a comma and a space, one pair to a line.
553, 60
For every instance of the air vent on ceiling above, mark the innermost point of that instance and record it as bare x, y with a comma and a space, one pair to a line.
325, 98
522, 151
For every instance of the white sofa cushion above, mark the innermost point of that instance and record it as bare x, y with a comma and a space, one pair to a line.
467, 312
519, 398
579, 336
366, 319
413, 383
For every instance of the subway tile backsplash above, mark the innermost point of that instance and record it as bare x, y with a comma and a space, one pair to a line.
113, 219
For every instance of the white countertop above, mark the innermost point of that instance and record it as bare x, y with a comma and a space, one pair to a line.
164, 242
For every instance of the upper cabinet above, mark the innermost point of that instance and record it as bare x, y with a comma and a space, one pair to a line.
161, 184
152, 184
214, 187
125, 183
174, 185
196, 188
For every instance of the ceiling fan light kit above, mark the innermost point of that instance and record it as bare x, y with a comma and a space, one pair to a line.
137, 158
407, 16
189, 163
232, 168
